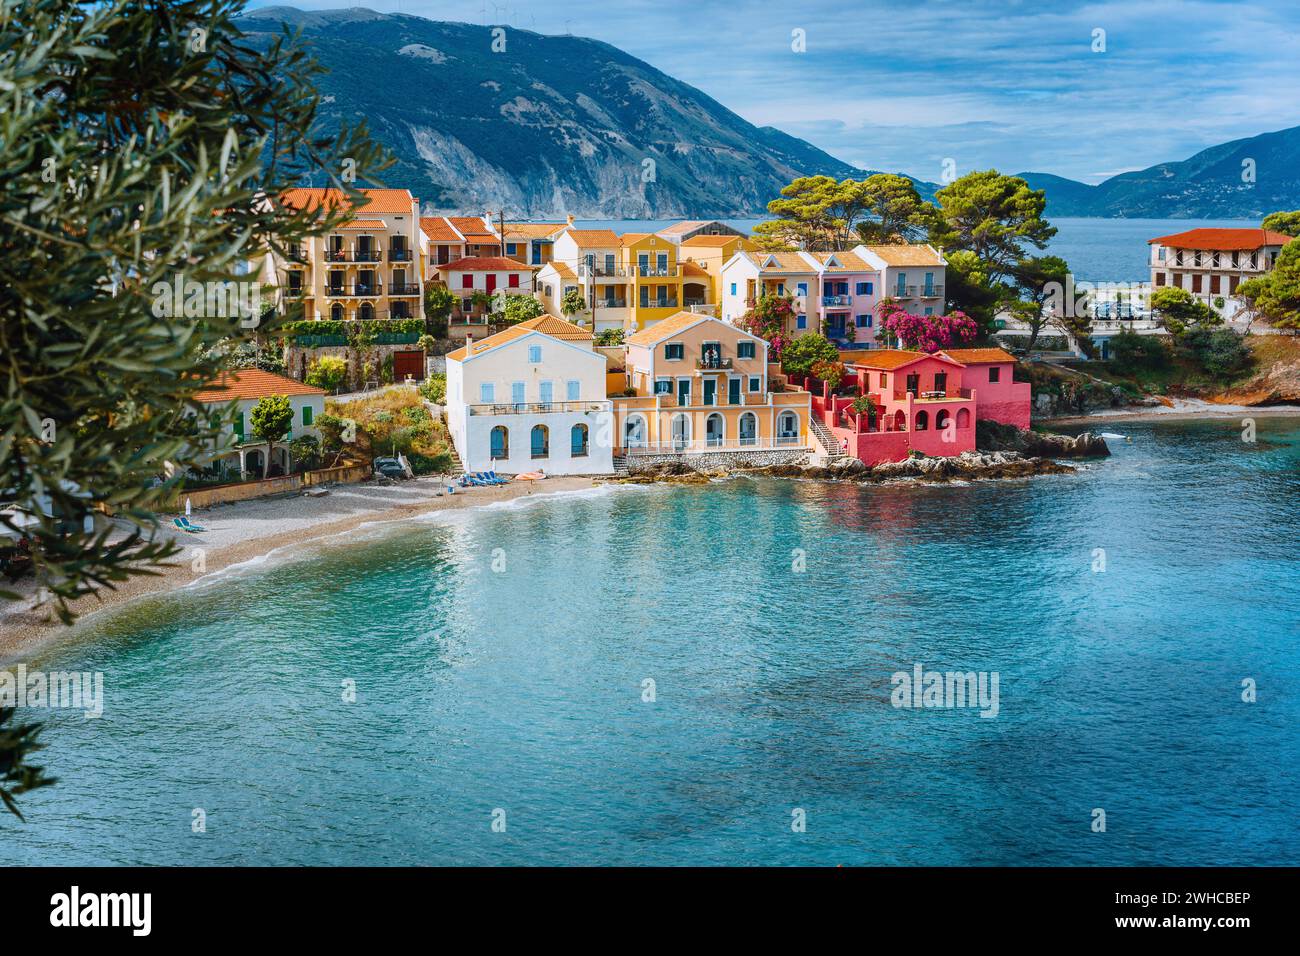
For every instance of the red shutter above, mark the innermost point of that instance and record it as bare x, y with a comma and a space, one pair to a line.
467, 281
491, 281
514, 280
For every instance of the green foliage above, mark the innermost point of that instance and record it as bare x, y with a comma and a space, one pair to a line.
434, 388
250, 353
305, 451
969, 289
1276, 296
992, 215
17, 776
328, 372
1133, 354
438, 303
271, 418
1287, 223
514, 308
1178, 309
334, 431
572, 303
863, 405
437, 464
819, 213
132, 158
897, 210
386, 369
609, 337
801, 354
1220, 351
358, 332
428, 343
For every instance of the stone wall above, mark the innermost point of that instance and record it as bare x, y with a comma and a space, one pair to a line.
724, 460
297, 359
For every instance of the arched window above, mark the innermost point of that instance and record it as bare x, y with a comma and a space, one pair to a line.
787, 428
634, 432
336, 312
681, 431
749, 429
367, 310
922, 420
541, 441
941, 419
714, 431
499, 443
578, 441
963, 418
900, 421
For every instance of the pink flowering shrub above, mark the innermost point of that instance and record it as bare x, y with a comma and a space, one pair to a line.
767, 320
927, 333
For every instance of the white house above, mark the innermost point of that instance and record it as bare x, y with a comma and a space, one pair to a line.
248, 387
531, 398
912, 275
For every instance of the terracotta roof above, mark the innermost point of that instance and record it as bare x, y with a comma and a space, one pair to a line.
586, 238
1222, 239
473, 229
377, 200
848, 261
691, 269
885, 359
485, 264
364, 224
632, 238
534, 230
711, 241
782, 262
439, 229
665, 327
253, 383
562, 270
685, 225
907, 255
557, 328
979, 356
546, 324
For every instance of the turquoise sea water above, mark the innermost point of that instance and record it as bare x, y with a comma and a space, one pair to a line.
1098, 250
521, 688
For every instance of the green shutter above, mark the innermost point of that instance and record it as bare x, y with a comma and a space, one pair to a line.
306, 415
239, 425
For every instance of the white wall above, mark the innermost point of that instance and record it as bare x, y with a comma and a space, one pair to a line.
559, 461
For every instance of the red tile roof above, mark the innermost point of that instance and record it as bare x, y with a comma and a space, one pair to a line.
979, 356
485, 264
1223, 240
377, 200
438, 229
253, 383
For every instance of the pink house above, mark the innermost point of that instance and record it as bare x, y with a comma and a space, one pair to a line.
923, 402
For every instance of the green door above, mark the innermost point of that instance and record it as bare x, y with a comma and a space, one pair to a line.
710, 391
683, 391
733, 391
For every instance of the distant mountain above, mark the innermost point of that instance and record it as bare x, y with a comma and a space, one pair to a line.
1207, 186
555, 125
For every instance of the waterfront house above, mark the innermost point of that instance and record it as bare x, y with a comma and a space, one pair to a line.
367, 268
928, 403
684, 230
703, 388
710, 252
848, 291
590, 262
1211, 263
748, 276
531, 398
910, 274
247, 458
473, 280
533, 243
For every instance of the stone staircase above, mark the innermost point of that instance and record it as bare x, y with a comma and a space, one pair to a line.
830, 445
620, 465
456, 467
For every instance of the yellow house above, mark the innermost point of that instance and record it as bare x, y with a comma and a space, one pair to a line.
703, 387
661, 285
710, 252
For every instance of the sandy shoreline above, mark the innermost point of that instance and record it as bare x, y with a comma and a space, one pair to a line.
1180, 409
247, 530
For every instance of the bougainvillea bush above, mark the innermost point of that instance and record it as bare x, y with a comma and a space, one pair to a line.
767, 319
928, 333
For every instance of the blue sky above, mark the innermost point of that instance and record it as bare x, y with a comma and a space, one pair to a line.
902, 86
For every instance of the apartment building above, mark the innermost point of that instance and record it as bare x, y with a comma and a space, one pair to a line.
473, 280
1211, 263
367, 268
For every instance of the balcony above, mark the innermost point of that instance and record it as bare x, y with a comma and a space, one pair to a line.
706, 445
539, 408
399, 255
658, 272
353, 255
951, 395
611, 303
353, 289
659, 303
839, 300
712, 363
403, 288
601, 272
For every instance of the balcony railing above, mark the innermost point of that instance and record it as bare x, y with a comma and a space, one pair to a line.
349, 289
399, 255
658, 272
611, 303
353, 255
691, 302
602, 272
706, 445
403, 288
659, 303
835, 300
950, 395
712, 362
919, 292
538, 408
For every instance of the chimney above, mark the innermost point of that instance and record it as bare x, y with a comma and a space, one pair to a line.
570, 219
469, 344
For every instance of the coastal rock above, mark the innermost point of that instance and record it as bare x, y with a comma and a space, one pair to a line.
995, 436
968, 466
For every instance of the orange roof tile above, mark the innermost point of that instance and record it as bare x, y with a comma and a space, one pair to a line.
978, 356
377, 200
660, 330
473, 229
711, 241
1221, 240
783, 262
534, 230
364, 224
848, 261
884, 359
907, 254
438, 229
545, 324
586, 238
253, 383
485, 264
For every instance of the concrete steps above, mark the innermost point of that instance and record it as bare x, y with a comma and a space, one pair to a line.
829, 446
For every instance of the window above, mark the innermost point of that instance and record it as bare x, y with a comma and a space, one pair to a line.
755, 383
929, 310
995, 373
663, 386
634, 432
534, 354
486, 393
801, 322
787, 428
748, 429
733, 288
513, 281
902, 283
571, 390
546, 392
861, 288
673, 351
499, 443
884, 379
541, 443
863, 321
306, 414
803, 288
578, 441
517, 393
466, 305
239, 425
745, 350
467, 281
922, 420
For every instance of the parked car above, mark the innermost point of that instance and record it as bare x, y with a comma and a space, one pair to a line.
389, 468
